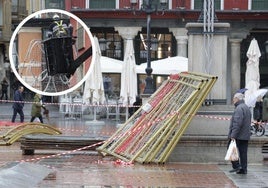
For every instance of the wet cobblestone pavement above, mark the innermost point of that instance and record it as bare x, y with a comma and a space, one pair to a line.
83, 169
108, 174
87, 169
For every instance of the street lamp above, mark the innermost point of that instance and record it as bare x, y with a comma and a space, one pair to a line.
266, 46
149, 7
266, 49
102, 43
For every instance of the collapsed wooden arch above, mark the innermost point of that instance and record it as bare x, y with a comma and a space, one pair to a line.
17, 132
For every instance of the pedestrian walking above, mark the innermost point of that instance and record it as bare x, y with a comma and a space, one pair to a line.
37, 108
4, 85
239, 131
265, 108
18, 104
136, 106
257, 110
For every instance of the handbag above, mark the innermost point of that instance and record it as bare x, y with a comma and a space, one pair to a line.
232, 152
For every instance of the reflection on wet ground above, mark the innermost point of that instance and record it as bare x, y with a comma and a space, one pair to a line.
89, 169
86, 170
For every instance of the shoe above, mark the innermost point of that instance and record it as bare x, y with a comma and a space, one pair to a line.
235, 170
241, 171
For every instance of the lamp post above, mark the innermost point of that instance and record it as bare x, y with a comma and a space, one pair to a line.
266, 46
148, 7
102, 43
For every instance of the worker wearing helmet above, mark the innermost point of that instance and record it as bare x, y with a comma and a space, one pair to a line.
59, 27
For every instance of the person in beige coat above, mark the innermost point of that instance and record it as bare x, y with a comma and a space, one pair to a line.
36, 108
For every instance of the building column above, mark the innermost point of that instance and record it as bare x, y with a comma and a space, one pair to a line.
127, 33
197, 57
7, 22
235, 64
182, 40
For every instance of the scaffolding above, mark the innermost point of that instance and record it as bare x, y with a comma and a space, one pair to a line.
151, 134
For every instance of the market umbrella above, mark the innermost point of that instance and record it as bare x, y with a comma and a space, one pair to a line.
253, 98
129, 86
252, 78
166, 66
111, 65
94, 90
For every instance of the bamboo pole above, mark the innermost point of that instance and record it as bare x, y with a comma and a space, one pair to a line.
151, 140
159, 145
203, 94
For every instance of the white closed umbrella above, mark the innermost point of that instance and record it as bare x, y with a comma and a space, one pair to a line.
94, 90
252, 78
129, 85
253, 54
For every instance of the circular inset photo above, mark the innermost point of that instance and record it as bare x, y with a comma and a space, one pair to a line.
51, 52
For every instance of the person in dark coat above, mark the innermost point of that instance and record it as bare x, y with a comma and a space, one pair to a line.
4, 84
265, 108
239, 131
18, 104
36, 108
257, 111
136, 106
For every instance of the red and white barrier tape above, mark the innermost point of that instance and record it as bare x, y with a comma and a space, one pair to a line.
118, 162
61, 154
72, 104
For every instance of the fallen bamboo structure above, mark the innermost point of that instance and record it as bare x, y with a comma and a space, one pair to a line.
16, 133
151, 134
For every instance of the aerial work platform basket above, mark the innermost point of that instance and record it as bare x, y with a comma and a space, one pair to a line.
59, 55
151, 134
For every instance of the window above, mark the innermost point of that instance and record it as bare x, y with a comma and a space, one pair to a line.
55, 4
111, 84
165, 46
102, 4
80, 37
19, 7
259, 5
157, 3
198, 4
112, 42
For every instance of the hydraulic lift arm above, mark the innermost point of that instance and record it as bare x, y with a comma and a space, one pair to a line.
78, 61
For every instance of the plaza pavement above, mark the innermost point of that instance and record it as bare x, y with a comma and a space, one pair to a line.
89, 169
